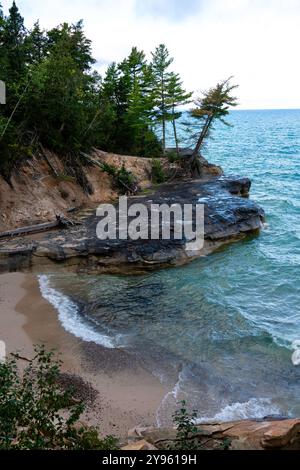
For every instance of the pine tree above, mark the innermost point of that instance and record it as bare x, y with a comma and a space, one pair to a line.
14, 74
176, 96
61, 101
56, 99
81, 47
132, 83
2, 65
2, 22
36, 44
213, 105
161, 61
109, 109
13, 42
2, 51
136, 84
133, 67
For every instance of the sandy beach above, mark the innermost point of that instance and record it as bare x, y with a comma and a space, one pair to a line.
124, 393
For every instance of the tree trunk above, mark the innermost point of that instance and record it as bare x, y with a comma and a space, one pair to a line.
203, 134
163, 114
175, 136
195, 163
164, 135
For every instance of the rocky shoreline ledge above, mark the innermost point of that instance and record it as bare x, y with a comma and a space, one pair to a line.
265, 434
229, 216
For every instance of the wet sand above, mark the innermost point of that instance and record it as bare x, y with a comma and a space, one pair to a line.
128, 395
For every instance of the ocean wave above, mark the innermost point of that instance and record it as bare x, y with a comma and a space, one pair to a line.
69, 316
162, 417
255, 408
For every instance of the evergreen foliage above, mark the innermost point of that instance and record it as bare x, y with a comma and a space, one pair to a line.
161, 62
56, 99
213, 105
176, 96
158, 175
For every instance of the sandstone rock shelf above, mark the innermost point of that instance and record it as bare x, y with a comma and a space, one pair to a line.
265, 434
229, 216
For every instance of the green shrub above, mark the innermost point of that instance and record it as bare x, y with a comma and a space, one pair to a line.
37, 413
126, 180
186, 429
173, 157
123, 178
158, 175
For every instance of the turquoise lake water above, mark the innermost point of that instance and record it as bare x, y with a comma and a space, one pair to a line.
219, 331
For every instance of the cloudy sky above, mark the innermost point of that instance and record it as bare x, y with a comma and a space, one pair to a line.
256, 41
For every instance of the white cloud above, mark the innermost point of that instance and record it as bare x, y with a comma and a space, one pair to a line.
172, 9
256, 41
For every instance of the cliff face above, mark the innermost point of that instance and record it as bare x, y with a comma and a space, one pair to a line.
37, 195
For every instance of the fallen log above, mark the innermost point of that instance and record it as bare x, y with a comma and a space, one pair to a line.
61, 221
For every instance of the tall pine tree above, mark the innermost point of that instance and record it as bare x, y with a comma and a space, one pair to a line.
176, 96
60, 101
136, 81
36, 44
13, 39
161, 62
2, 51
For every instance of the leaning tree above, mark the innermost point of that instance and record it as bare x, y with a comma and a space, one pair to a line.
213, 105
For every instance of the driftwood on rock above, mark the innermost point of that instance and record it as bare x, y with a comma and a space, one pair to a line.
61, 221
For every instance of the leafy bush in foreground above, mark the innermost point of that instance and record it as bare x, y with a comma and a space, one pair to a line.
188, 435
36, 413
186, 429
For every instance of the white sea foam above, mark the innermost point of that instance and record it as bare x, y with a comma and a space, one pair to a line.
68, 314
255, 408
172, 396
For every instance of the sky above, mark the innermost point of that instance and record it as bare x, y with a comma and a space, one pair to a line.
255, 41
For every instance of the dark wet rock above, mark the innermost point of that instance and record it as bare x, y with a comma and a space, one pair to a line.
228, 216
